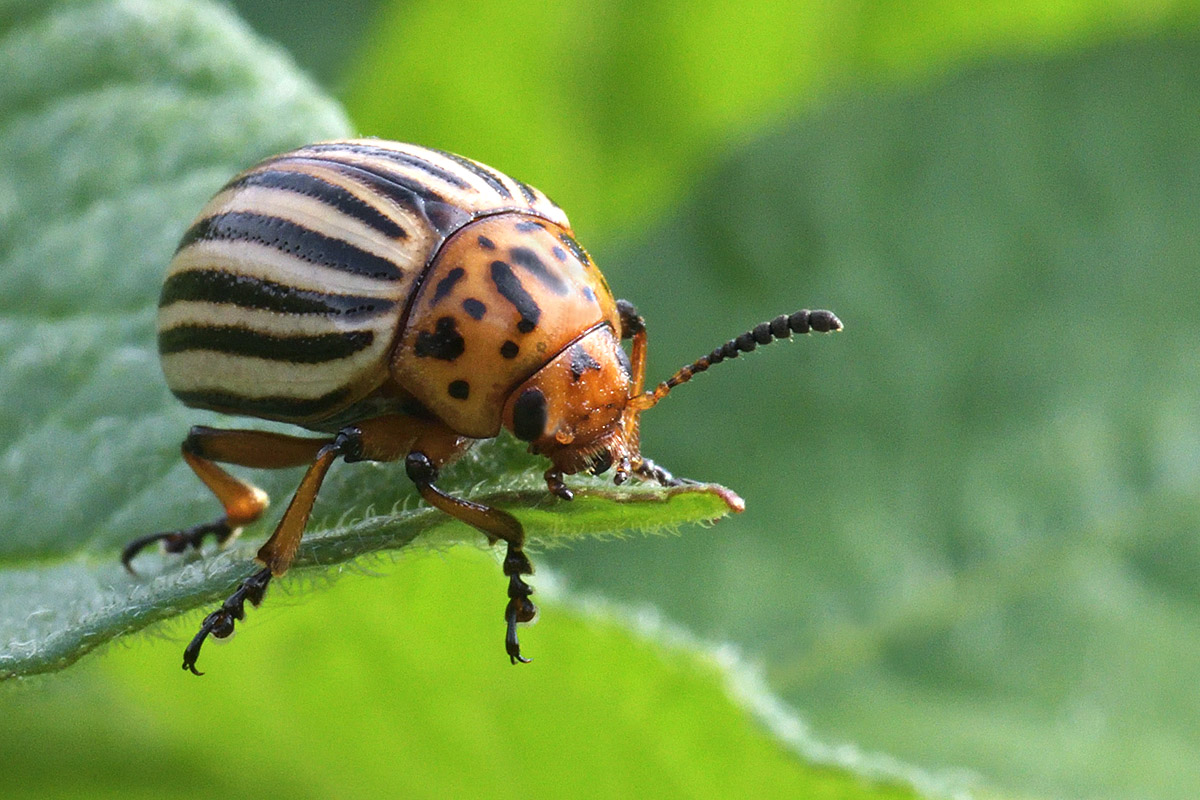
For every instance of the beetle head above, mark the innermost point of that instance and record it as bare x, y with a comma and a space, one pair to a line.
572, 411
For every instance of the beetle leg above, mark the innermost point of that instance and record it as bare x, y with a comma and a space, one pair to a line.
554, 482
243, 502
647, 469
631, 321
633, 326
278, 552
496, 525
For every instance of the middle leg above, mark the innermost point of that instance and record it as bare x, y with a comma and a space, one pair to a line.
435, 448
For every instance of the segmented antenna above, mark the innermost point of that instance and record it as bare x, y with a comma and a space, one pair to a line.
782, 327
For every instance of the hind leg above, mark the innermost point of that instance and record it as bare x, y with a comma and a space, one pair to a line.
243, 503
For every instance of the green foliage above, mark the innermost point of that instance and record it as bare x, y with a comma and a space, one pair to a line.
979, 542
398, 686
613, 107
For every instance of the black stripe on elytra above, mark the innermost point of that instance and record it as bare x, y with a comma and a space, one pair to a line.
526, 190
475, 168
530, 260
276, 407
239, 341
510, 288
332, 195
414, 195
444, 344
245, 291
294, 239
581, 361
407, 159
576, 248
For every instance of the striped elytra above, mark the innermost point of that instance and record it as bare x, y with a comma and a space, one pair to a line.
362, 277
404, 302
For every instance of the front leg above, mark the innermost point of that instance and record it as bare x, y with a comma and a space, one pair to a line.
496, 525
645, 468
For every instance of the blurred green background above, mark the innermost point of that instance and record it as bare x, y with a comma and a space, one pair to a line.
971, 534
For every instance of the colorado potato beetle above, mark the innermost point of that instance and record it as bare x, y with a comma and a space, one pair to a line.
404, 303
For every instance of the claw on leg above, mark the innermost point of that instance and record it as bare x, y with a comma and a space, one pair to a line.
220, 623
177, 541
520, 608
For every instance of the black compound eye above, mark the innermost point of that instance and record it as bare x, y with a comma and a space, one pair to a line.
602, 463
529, 415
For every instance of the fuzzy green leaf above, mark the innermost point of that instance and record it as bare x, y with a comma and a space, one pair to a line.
120, 118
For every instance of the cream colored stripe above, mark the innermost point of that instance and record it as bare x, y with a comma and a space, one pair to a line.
273, 322
203, 370
267, 263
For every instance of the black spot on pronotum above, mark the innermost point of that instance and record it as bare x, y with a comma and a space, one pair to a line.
529, 415
510, 289
588, 294
559, 253
528, 225
509, 349
529, 260
486, 243
474, 308
445, 343
581, 361
446, 284
459, 390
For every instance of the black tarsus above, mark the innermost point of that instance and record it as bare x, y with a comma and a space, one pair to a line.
423, 472
220, 623
650, 471
520, 608
177, 541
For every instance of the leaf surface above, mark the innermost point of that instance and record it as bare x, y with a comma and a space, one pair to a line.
119, 120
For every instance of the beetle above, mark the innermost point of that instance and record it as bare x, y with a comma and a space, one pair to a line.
404, 303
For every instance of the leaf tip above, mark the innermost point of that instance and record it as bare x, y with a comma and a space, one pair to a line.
732, 500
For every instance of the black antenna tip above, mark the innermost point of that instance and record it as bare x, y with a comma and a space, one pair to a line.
805, 321
824, 322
